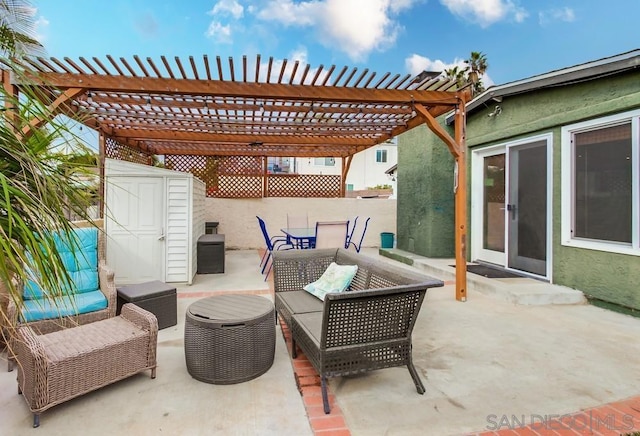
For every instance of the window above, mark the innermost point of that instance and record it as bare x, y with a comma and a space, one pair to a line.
381, 156
600, 179
324, 161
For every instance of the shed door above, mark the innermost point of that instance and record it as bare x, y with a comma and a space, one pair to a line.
135, 221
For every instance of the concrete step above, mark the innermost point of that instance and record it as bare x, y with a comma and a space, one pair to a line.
520, 290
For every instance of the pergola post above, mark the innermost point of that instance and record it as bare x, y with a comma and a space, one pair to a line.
457, 149
461, 205
346, 164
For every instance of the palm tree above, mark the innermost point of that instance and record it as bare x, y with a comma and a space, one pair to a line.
17, 28
476, 66
457, 74
38, 186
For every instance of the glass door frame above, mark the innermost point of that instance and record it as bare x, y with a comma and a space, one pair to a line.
478, 253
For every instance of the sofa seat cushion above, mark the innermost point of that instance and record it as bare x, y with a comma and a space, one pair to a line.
300, 302
311, 324
67, 305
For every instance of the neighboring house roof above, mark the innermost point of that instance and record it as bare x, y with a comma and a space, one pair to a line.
392, 169
575, 74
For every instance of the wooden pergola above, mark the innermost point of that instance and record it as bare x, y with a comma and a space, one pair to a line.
249, 108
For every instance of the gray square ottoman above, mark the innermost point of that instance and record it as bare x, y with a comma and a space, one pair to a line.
157, 297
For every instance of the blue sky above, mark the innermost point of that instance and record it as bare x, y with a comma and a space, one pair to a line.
521, 38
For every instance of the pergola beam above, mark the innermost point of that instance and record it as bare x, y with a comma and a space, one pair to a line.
222, 138
60, 105
230, 89
132, 100
253, 151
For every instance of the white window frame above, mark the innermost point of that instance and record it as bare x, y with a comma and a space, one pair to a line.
382, 152
568, 177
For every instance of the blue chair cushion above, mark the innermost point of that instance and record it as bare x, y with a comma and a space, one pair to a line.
79, 255
48, 308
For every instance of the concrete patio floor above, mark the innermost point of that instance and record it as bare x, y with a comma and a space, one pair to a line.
487, 364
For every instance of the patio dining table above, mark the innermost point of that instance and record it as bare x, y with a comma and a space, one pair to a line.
301, 237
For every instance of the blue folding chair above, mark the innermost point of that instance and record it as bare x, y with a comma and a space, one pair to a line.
350, 232
272, 243
358, 246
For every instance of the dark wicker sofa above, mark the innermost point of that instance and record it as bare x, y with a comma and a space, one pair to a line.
368, 327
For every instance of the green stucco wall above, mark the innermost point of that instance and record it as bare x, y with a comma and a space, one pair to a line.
425, 198
607, 276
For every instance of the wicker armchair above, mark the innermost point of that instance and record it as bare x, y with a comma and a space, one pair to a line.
43, 326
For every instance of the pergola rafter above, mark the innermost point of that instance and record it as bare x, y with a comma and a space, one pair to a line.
254, 108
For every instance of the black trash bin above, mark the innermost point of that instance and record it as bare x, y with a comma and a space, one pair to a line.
211, 254
211, 227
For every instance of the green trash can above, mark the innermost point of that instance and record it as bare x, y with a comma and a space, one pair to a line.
386, 240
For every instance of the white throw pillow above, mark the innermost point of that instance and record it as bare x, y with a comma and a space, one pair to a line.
336, 278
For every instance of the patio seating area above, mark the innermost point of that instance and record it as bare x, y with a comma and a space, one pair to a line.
487, 365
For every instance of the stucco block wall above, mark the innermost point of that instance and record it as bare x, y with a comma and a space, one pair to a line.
237, 217
425, 199
607, 276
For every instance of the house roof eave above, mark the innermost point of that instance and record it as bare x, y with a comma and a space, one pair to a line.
565, 76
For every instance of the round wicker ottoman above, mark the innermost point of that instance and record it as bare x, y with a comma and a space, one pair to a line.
229, 338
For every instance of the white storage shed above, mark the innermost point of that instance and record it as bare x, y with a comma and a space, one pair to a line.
153, 218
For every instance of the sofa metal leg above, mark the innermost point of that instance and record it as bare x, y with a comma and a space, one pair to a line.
325, 396
153, 372
36, 420
416, 378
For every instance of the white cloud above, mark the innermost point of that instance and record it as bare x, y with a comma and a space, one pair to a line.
416, 64
147, 24
300, 54
565, 14
291, 14
218, 32
486, 12
227, 7
41, 26
335, 26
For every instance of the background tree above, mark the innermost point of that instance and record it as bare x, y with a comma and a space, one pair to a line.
458, 74
476, 66
471, 74
17, 29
